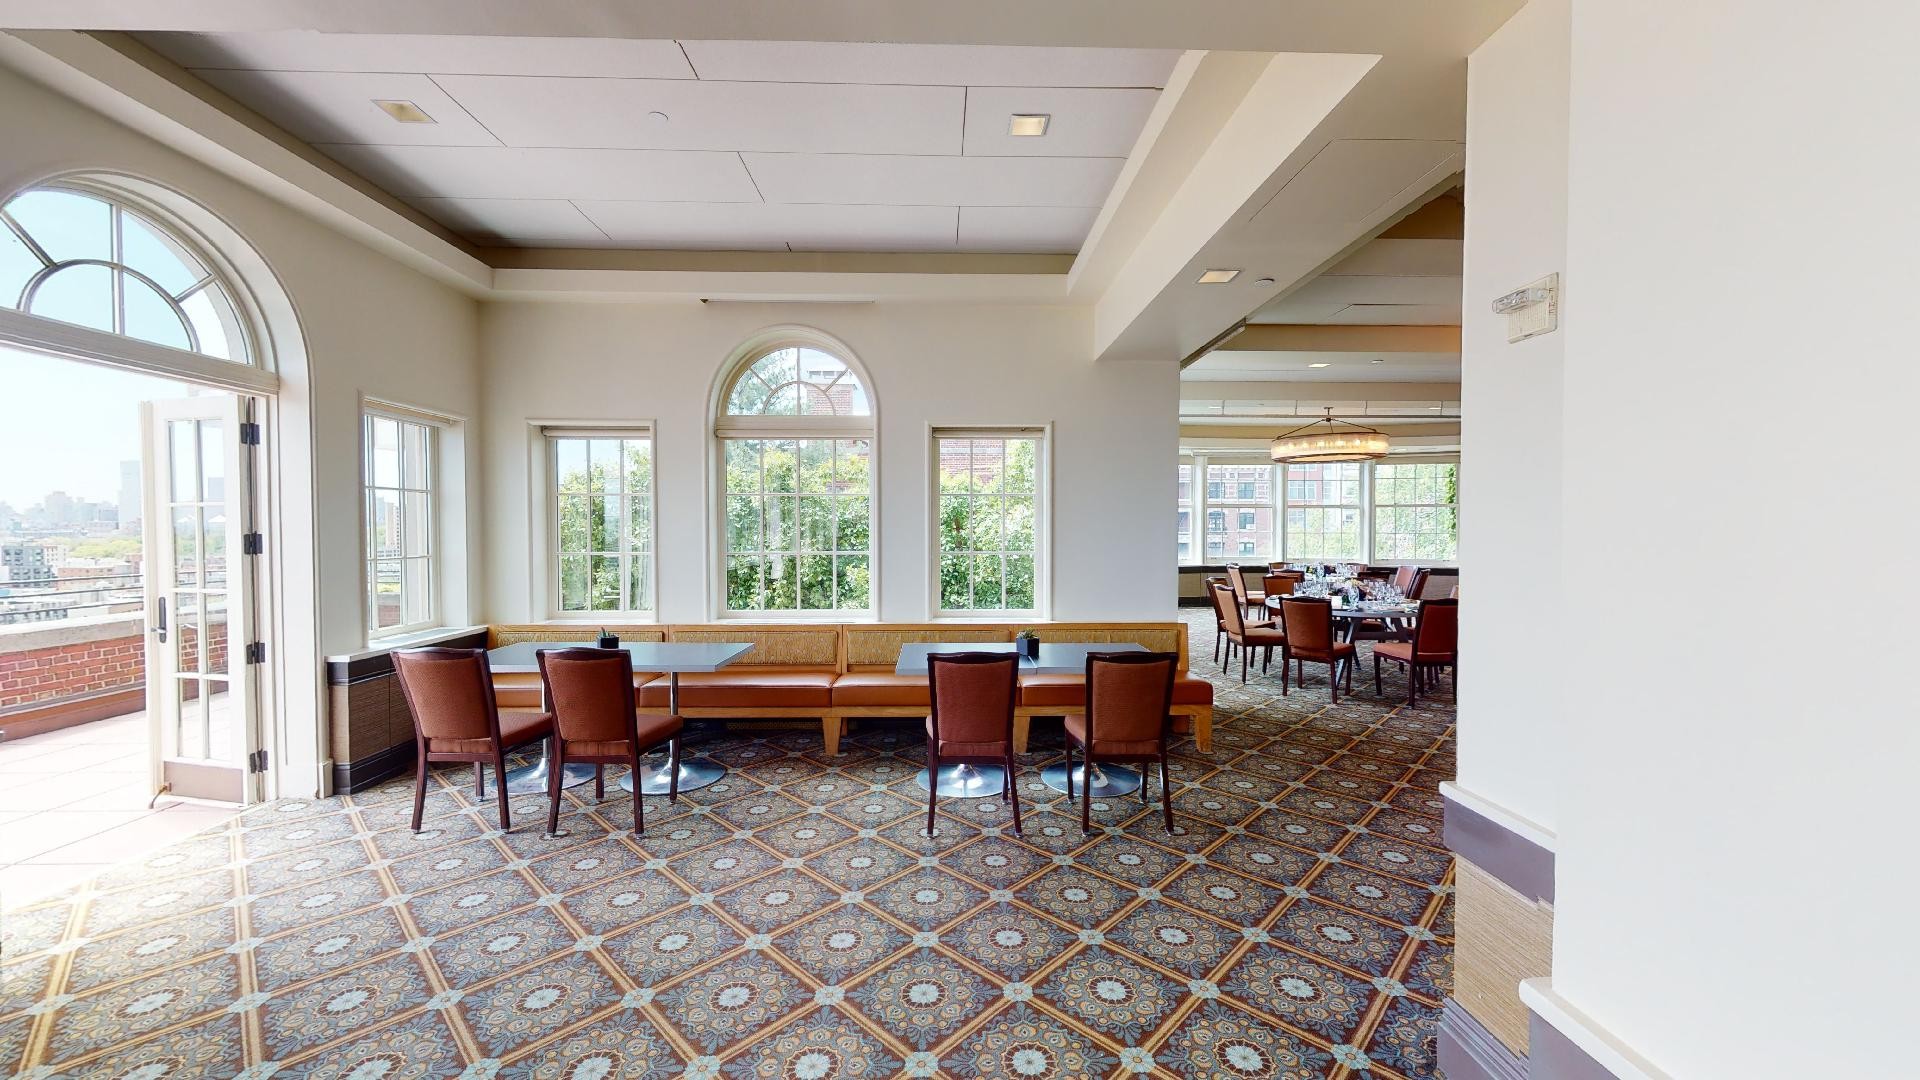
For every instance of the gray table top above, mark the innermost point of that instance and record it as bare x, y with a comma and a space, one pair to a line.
1406, 611
669, 656
1054, 659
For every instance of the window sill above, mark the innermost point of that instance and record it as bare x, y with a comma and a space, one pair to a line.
385, 645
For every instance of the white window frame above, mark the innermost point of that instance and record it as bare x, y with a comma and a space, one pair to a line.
1201, 505
1042, 519
725, 427
1232, 506
1364, 506
549, 487
1374, 506
436, 427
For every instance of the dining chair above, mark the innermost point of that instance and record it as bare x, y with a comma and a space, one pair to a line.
1219, 620
1435, 646
1247, 600
590, 692
1247, 635
1279, 584
1129, 717
1419, 585
1307, 623
973, 696
450, 694
1403, 579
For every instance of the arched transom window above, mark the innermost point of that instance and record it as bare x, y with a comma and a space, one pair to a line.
83, 258
795, 435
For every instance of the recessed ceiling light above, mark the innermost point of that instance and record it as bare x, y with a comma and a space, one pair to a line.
1379, 359
658, 117
1317, 365
1030, 125
1263, 282
405, 111
1218, 277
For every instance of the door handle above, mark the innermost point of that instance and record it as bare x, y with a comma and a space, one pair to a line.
160, 623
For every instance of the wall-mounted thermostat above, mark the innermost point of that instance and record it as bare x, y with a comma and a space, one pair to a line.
1532, 310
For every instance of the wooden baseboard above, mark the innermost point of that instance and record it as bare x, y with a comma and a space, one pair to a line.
352, 776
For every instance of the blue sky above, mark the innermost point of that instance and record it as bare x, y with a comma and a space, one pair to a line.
69, 425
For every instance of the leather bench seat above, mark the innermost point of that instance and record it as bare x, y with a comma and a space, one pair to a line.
881, 688
1070, 691
744, 690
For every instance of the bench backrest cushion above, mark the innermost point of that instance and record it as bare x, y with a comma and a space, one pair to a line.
877, 647
781, 647
1153, 637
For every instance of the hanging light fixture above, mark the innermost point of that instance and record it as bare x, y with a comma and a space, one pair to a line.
1327, 440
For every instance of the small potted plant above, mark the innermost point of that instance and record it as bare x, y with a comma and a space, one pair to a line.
607, 640
1028, 644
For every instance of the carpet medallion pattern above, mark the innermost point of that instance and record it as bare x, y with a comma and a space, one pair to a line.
791, 922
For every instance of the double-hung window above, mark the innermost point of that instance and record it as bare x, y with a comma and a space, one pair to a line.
602, 521
990, 554
1416, 512
400, 465
1240, 517
1325, 505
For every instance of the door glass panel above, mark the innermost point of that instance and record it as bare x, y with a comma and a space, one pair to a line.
186, 545
219, 719
214, 546
186, 631
214, 625
186, 461
213, 462
190, 739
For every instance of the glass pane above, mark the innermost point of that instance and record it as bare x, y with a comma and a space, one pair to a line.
816, 465
639, 584
743, 465
386, 451
1020, 582
573, 582
640, 523
190, 736
743, 582
388, 526
1019, 525
415, 528
575, 510
150, 317
145, 249
853, 465
955, 473
743, 523
219, 719
780, 464
953, 523
416, 590
606, 461
816, 581
955, 584
639, 465
66, 225
988, 466
186, 545
983, 523
1023, 464
77, 294
986, 582
183, 450
605, 525
184, 623
779, 528
386, 593
852, 533
816, 523
606, 583
214, 323
570, 464
213, 545
851, 573
18, 263
213, 461
782, 588
215, 627
414, 471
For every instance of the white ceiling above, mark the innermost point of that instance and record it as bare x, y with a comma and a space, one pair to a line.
799, 146
1227, 366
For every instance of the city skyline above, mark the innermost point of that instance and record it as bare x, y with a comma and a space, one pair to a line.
72, 426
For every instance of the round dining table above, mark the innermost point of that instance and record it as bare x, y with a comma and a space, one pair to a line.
1347, 620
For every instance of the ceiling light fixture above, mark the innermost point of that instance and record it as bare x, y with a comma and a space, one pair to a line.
1263, 282
1218, 277
1329, 440
1317, 365
405, 111
1028, 125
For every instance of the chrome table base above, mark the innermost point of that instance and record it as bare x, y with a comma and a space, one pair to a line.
968, 781
1108, 780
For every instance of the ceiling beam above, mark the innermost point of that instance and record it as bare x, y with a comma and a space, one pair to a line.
1291, 337
1382, 392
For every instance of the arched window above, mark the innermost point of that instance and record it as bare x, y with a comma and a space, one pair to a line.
82, 257
795, 438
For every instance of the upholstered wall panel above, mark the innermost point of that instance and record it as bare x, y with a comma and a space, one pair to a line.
880, 646
1501, 937
800, 647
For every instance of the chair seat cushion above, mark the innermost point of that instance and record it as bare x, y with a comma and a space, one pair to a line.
1188, 690
1403, 652
1071, 690
588, 748
880, 688
950, 748
1263, 634
517, 727
1077, 731
744, 690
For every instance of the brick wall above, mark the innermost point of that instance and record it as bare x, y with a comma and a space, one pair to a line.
79, 657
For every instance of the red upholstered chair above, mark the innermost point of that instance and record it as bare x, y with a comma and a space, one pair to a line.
1435, 645
1308, 623
973, 697
594, 722
1129, 718
1403, 579
1247, 600
1249, 636
450, 693
1280, 584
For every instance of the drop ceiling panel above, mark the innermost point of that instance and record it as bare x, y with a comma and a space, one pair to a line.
300, 50
773, 226
504, 172
338, 107
522, 222
1085, 123
948, 65
702, 115
933, 181
1032, 229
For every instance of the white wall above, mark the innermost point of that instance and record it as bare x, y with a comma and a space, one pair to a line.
1511, 693
1736, 873
1115, 435
370, 327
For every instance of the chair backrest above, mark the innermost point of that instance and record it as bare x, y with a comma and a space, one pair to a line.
589, 692
1308, 623
449, 692
1436, 628
1227, 608
1129, 696
1403, 579
1278, 584
1419, 584
1238, 580
973, 695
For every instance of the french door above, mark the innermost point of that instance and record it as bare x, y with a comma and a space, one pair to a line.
202, 652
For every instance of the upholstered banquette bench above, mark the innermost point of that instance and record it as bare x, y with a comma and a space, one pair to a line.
836, 672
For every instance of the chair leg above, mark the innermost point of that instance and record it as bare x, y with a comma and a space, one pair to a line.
555, 774
1333, 679
1377, 691
639, 815
1166, 790
1286, 661
420, 790
933, 786
479, 781
1086, 791
1069, 768
1351, 662
1243, 671
1013, 793
599, 782
500, 787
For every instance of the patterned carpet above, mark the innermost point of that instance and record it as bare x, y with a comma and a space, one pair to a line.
791, 922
